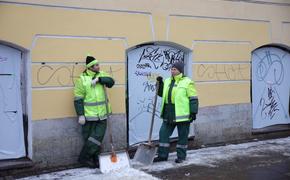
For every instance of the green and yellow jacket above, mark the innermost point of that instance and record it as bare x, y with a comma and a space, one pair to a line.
90, 100
179, 99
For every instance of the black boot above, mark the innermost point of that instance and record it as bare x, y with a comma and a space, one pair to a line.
159, 159
179, 160
87, 163
96, 161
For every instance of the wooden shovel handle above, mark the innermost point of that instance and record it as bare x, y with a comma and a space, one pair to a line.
153, 113
113, 155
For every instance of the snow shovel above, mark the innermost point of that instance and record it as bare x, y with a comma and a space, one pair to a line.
146, 151
113, 160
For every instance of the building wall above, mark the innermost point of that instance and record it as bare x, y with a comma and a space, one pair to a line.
58, 35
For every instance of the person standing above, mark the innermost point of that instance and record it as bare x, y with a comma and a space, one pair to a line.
179, 108
91, 108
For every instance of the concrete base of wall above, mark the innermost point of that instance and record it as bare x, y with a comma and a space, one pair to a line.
57, 142
223, 123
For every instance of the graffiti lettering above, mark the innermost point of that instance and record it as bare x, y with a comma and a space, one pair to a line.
156, 58
219, 72
112, 72
149, 87
171, 57
269, 109
53, 73
151, 54
270, 70
140, 73
143, 66
64, 75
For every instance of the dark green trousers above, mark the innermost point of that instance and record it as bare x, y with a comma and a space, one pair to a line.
93, 133
166, 131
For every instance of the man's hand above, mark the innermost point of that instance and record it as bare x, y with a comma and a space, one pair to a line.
82, 120
95, 81
159, 79
192, 117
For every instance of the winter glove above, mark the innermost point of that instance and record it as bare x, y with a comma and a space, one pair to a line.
193, 105
159, 79
95, 81
82, 120
192, 117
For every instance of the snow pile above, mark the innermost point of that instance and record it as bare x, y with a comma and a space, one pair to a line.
92, 174
122, 174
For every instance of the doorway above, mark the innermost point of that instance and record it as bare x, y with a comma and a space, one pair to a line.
13, 141
144, 63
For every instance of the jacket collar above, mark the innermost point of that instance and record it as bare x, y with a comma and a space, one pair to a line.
177, 77
91, 73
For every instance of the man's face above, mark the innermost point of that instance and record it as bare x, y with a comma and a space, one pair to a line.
95, 68
174, 71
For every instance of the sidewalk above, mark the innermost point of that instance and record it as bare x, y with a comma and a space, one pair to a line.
269, 159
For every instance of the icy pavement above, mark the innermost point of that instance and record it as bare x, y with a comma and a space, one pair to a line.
208, 157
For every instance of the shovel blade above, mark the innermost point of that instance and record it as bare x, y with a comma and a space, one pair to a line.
107, 164
145, 154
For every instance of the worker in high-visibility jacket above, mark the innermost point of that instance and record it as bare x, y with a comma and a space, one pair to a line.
179, 108
91, 108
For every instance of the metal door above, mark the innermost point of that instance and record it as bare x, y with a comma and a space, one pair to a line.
145, 63
11, 119
270, 86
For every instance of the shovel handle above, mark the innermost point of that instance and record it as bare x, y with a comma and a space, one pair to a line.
153, 113
109, 125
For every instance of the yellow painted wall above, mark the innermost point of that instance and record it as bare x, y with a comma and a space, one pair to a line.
286, 32
59, 34
68, 49
219, 93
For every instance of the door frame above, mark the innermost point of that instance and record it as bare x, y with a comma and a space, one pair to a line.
275, 127
25, 88
188, 54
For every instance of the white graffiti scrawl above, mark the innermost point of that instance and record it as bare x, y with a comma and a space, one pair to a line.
270, 86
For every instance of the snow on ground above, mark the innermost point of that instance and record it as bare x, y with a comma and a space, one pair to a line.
213, 155
91, 174
210, 157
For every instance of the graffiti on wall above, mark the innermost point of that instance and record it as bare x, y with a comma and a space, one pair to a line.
155, 57
270, 87
222, 71
64, 75
153, 61
144, 65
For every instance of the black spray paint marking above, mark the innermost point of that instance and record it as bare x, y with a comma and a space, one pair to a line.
149, 87
141, 73
154, 57
269, 105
